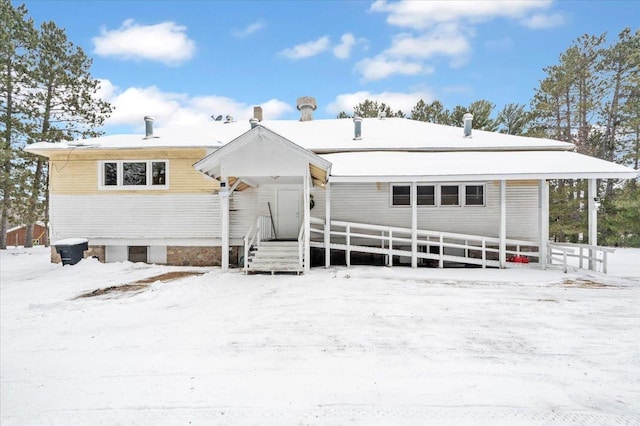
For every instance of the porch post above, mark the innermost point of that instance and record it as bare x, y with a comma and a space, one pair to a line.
307, 222
327, 225
224, 219
503, 224
543, 221
414, 225
593, 221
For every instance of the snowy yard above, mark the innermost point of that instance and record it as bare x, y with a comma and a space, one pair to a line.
359, 346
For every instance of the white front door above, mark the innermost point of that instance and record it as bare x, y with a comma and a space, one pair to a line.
288, 214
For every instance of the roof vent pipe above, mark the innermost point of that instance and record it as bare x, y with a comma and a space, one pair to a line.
357, 126
254, 122
148, 127
306, 105
468, 120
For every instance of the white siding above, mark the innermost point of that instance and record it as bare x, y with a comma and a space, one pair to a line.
136, 217
247, 205
370, 203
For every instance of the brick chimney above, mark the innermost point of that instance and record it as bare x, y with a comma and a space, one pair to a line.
306, 106
257, 113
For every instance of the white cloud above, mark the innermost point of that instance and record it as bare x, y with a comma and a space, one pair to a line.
445, 39
542, 21
422, 14
249, 29
306, 50
343, 50
170, 109
396, 100
382, 67
166, 42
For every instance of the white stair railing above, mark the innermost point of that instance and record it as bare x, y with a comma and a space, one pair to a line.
301, 247
260, 231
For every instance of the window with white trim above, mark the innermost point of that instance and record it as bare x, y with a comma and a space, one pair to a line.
400, 195
426, 195
474, 195
449, 195
438, 195
134, 174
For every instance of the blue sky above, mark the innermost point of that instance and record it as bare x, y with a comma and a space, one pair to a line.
183, 61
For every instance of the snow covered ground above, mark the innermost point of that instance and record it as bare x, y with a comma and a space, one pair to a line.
364, 346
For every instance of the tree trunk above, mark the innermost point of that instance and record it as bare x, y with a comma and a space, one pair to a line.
46, 209
32, 215
6, 172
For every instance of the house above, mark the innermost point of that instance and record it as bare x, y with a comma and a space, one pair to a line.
266, 195
17, 234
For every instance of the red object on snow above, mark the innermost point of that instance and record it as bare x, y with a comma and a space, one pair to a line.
518, 259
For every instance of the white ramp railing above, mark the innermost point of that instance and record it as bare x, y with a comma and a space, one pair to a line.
432, 245
592, 257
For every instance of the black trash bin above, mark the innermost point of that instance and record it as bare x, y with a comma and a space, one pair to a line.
71, 250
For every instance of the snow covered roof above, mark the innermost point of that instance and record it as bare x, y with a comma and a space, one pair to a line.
465, 166
322, 136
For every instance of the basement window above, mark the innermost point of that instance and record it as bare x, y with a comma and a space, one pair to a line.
152, 174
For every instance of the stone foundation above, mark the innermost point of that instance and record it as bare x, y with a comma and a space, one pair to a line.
55, 257
95, 251
199, 256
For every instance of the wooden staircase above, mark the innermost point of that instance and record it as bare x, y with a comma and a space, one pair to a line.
274, 256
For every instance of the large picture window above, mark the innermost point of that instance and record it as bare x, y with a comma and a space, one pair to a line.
134, 174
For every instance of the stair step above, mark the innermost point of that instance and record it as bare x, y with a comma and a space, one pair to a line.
279, 243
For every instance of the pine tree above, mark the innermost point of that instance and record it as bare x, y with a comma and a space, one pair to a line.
17, 41
513, 119
67, 107
432, 113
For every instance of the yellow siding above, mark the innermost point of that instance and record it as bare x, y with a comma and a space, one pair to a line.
76, 171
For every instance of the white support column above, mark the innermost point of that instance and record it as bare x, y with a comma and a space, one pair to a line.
224, 219
593, 220
503, 224
307, 222
414, 225
543, 221
327, 225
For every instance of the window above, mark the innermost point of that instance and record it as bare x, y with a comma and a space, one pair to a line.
426, 195
110, 174
134, 175
401, 195
449, 195
474, 195
137, 254
158, 172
